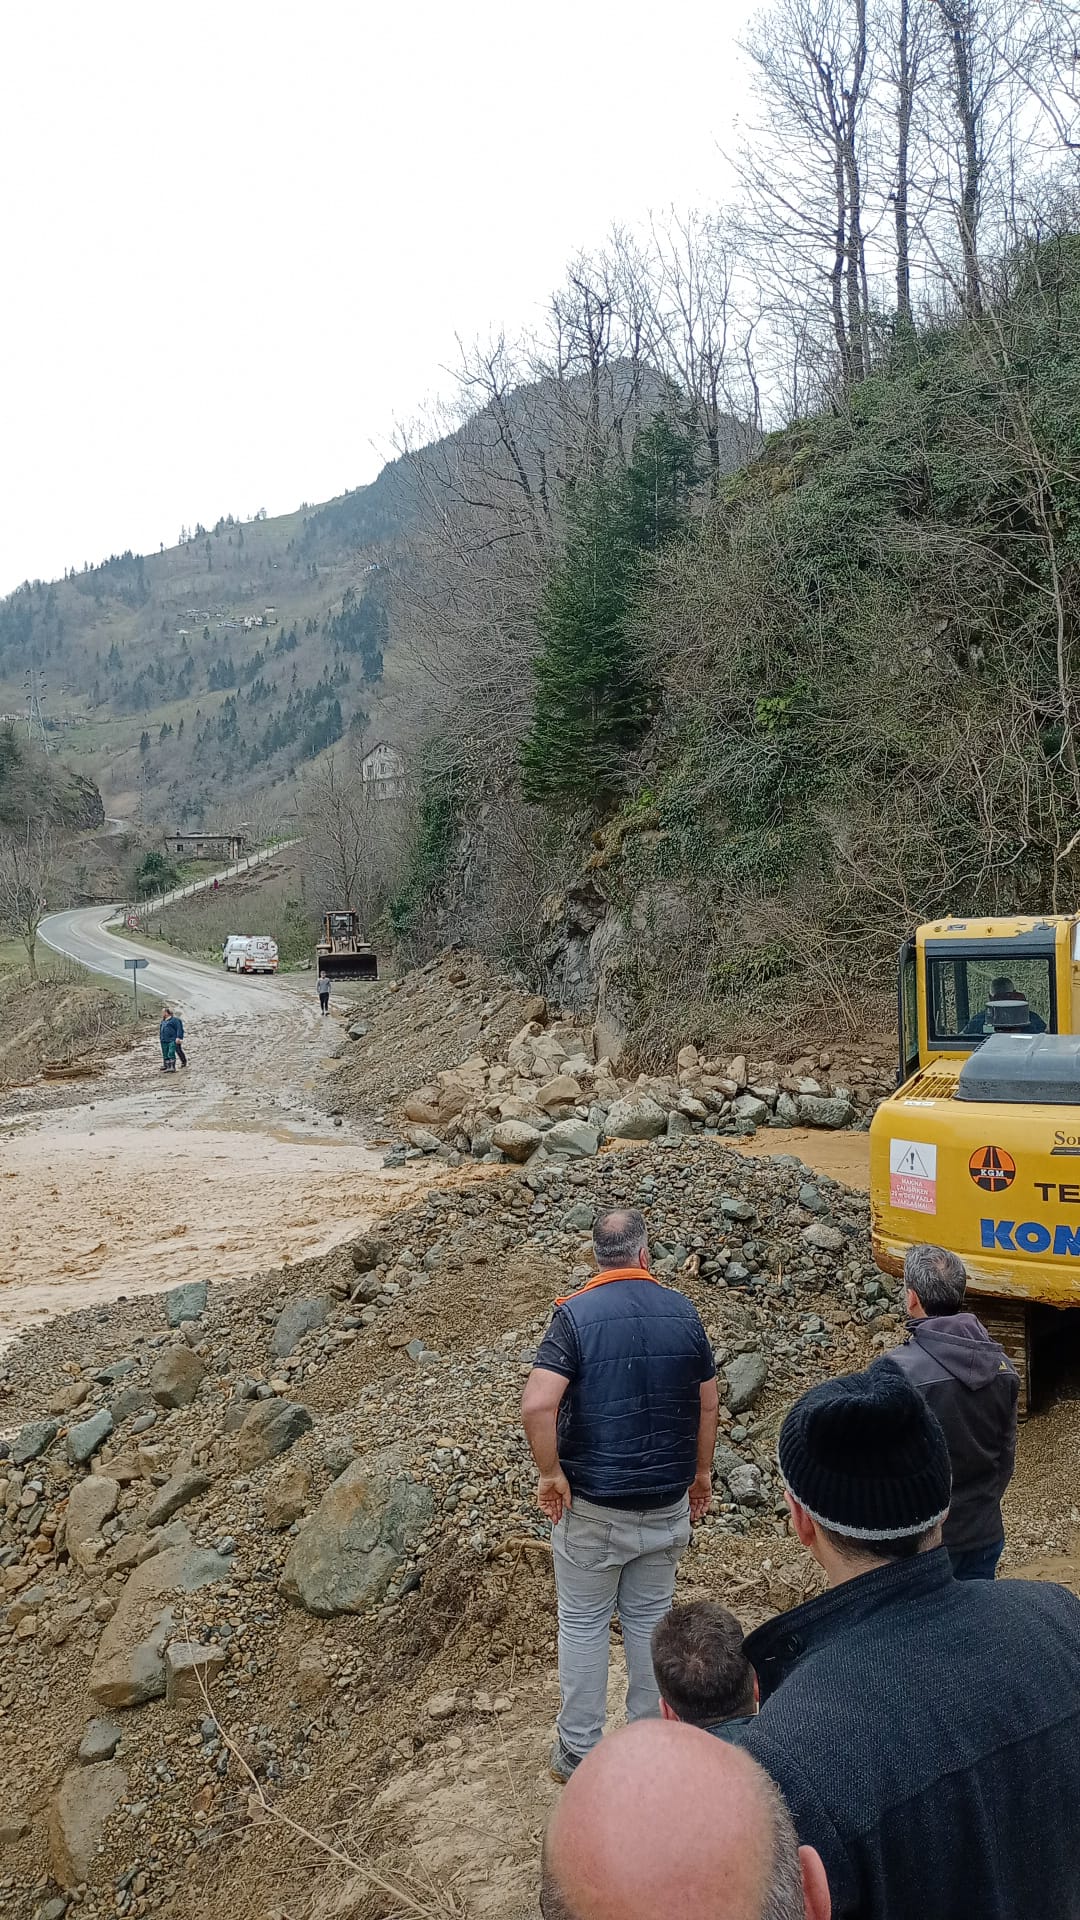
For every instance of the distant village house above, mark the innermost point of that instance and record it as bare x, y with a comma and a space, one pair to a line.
208, 846
383, 766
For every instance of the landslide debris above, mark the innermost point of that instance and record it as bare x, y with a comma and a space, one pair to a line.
273, 1545
329, 1538
461, 1065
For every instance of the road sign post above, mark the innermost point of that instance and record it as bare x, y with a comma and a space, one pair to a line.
135, 965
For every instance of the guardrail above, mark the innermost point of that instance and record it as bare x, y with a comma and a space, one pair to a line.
146, 908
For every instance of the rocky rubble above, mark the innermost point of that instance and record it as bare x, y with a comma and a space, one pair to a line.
265, 1462
548, 1095
288, 1551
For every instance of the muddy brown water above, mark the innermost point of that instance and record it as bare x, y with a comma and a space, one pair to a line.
151, 1179
845, 1156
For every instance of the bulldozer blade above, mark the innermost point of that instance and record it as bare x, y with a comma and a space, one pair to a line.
346, 967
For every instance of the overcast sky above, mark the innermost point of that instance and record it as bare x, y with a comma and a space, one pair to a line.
238, 238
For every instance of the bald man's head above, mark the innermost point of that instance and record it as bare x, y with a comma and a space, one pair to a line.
662, 1821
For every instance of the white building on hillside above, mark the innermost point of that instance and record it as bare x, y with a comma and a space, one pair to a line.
384, 766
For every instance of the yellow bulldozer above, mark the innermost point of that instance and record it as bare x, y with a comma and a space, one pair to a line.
978, 1149
341, 954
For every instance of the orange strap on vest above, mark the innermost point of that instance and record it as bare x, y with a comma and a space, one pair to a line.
604, 1279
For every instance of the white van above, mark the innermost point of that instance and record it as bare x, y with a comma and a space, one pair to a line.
247, 953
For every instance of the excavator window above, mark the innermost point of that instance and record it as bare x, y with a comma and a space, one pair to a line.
969, 998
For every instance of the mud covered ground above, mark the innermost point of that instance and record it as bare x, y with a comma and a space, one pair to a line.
139, 1180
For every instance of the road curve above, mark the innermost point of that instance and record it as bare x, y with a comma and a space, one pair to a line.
194, 988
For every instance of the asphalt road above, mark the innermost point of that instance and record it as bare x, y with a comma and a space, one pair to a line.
194, 988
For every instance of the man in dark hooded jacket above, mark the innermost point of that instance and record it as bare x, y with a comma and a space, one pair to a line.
972, 1387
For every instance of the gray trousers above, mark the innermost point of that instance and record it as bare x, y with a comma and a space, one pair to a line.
608, 1557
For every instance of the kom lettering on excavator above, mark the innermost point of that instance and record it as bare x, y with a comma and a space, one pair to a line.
979, 1147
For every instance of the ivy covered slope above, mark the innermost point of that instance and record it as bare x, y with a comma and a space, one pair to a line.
869, 663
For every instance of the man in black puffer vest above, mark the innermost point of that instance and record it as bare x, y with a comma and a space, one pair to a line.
924, 1731
620, 1411
973, 1388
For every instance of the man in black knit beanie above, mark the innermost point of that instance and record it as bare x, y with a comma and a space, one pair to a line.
924, 1731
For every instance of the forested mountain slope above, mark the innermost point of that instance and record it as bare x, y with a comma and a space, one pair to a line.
753, 750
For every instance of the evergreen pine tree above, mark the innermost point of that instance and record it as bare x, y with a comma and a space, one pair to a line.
591, 704
593, 700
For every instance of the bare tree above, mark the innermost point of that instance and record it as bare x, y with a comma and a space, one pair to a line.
353, 840
27, 863
702, 335
903, 28
960, 20
803, 172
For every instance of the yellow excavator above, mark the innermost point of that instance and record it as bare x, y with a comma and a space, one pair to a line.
979, 1147
341, 954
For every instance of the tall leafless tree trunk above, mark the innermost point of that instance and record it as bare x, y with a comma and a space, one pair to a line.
851, 96
905, 78
960, 18
804, 171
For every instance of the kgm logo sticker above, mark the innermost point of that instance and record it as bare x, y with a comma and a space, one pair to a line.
992, 1169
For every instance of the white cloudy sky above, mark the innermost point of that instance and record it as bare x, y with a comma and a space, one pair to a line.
239, 237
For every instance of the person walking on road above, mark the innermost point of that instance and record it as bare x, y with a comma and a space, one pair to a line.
178, 1037
620, 1411
167, 1037
924, 1730
324, 993
973, 1388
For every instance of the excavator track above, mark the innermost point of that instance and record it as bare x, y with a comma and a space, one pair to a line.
1009, 1323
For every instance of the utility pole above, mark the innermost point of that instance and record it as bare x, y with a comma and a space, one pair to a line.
35, 714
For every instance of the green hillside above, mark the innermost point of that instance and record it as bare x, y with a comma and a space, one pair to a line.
188, 678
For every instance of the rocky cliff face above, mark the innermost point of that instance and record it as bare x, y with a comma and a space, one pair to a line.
35, 784
78, 805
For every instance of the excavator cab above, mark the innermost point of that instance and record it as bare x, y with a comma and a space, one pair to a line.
974, 1149
341, 954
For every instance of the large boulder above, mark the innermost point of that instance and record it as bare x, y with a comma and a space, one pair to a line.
632, 1119
744, 1485
563, 1091
84, 1439
366, 1253
299, 1317
129, 1665
185, 1485
745, 1376
521, 1052
573, 1137
516, 1139
747, 1106
99, 1742
345, 1554
825, 1110
287, 1497
90, 1503
32, 1441
460, 1086
80, 1807
185, 1303
272, 1427
189, 1668
176, 1376
823, 1237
